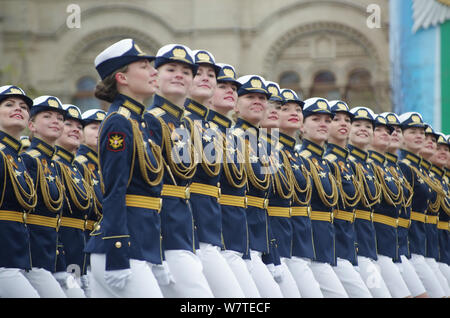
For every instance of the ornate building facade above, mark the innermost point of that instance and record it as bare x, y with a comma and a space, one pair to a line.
328, 48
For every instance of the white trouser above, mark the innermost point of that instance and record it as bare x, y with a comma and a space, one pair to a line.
427, 276
13, 284
392, 277
44, 283
445, 270
437, 272
351, 279
304, 277
187, 270
141, 283
288, 285
267, 286
330, 285
371, 275
240, 270
410, 277
218, 273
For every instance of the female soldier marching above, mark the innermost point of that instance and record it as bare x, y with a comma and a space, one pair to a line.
387, 210
77, 203
88, 157
291, 120
279, 210
18, 195
169, 129
233, 180
407, 270
250, 108
317, 117
46, 125
349, 195
361, 134
205, 186
413, 129
126, 246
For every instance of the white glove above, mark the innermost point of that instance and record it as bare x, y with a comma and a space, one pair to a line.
117, 278
85, 285
66, 280
162, 273
276, 271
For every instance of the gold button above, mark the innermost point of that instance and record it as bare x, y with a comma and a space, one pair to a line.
57, 252
143, 125
97, 227
118, 245
187, 193
266, 203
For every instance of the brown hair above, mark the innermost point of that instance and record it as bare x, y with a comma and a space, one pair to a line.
106, 89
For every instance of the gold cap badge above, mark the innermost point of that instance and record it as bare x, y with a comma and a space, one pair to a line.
288, 95
341, 106
415, 119
228, 72
52, 103
392, 119
322, 105
203, 57
363, 113
73, 112
180, 53
15, 91
273, 90
256, 83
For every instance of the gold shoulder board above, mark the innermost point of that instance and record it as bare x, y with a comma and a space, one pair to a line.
331, 157
124, 112
157, 112
238, 132
33, 153
81, 159
305, 153
406, 161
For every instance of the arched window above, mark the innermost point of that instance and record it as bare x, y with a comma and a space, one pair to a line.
359, 91
84, 97
324, 85
291, 80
